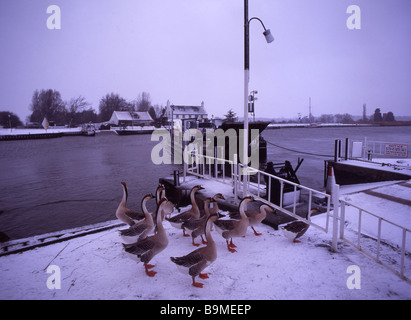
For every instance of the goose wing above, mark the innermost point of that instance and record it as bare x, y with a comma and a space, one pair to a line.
193, 224
226, 224
236, 215
296, 226
180, 217
134, 214
190, 259
140, 247
135, 230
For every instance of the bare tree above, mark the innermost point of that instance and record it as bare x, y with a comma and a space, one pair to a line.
47, 103
143, 102
78, 104
110, 103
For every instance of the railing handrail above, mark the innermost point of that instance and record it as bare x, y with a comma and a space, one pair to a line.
375, 215
287, 181
375, 256
337, 216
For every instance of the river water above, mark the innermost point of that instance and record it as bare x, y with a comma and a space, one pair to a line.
54, 184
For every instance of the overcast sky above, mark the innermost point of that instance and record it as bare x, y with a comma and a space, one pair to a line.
189, 51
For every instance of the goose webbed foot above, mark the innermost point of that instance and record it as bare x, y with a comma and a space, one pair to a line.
231, 246
195, 244
202, 240
150, 273
197, 284
256, 233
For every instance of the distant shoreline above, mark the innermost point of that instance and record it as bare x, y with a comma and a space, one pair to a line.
353, 124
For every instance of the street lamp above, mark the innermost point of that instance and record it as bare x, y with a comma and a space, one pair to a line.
269, 38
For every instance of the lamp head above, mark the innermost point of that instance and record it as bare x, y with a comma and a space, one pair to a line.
268, 36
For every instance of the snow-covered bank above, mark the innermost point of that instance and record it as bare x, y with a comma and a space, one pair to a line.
265, 267
6, 132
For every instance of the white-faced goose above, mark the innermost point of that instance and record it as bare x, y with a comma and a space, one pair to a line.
142, 228
234, 228
193, 213
125, 214
145, 249
196, 261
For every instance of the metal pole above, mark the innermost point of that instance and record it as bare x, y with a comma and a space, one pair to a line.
336, 202
246, 81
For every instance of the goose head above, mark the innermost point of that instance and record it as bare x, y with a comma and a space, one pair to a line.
196, 188
247, 199
160, 192
148, 196
266, 207
124, 185
219, 196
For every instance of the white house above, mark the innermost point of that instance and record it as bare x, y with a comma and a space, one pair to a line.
131, 118
186, 112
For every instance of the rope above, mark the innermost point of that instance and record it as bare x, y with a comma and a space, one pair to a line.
309, 153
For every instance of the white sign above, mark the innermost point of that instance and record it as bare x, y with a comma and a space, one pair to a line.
396, 150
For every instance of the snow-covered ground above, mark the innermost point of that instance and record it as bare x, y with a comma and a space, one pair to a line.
38, 131
265, 267
392, 165
392, 211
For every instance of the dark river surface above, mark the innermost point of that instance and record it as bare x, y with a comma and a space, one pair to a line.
54, 184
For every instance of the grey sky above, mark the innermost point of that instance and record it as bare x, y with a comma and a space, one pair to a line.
190, 51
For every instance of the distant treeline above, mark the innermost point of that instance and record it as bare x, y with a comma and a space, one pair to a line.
50, 105
344, 118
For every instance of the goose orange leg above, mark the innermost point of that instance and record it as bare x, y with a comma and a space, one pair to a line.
195, 244
203, 275
150, 273
197, 284
202, 240
256, 233
231, 246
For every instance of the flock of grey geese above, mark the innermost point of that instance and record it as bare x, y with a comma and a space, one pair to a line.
142, 244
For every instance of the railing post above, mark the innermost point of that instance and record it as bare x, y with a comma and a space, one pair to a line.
402, 267
235, 177
184, 170
336, 203
342, 220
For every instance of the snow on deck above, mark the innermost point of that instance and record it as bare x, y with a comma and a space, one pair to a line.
391, 165
265, 267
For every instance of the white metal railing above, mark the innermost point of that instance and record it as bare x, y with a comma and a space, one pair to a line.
288, 201
360, 236
215, 169
367, 149
209, 168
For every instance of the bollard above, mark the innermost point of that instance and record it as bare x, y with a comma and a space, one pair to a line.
176, 178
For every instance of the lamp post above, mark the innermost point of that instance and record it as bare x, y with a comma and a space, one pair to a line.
269, 38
